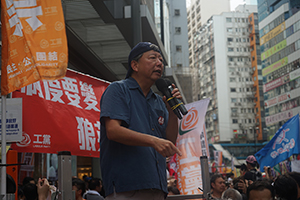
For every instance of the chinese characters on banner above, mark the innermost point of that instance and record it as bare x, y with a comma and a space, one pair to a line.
192, 142
34, 44
67, 118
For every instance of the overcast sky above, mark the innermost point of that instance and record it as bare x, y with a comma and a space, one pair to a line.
233, 3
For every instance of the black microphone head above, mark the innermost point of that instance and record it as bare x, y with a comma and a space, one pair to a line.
162, 84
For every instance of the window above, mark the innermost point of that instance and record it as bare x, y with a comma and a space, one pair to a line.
177, 12
232, 79
230, 49
178, 48
229, 39
229, 29
177, 30
234, 110
232, 90
228, 19
233, 100
231, 59
234, 121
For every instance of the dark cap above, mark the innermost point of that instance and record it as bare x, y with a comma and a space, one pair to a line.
140, 48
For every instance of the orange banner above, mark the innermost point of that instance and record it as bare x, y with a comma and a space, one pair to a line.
34, 43
192, 142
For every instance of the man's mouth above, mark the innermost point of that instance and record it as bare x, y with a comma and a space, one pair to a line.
157, 71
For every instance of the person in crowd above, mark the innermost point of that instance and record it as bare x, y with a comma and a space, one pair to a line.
28, 179
296, 177
93, 193
102, 192
172, 181
230, 177
231, 194
173, 190
240, 185
217, 184
243, 169
137, 125
261, 190
252, 174
286, 187
267, 170
86, 180
78, 186
39, 191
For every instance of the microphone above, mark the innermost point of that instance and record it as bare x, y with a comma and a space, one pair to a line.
165, 87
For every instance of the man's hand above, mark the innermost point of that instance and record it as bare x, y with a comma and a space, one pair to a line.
175, 94
166, 148
43, 189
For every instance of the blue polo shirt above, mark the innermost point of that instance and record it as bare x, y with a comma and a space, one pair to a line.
128, 168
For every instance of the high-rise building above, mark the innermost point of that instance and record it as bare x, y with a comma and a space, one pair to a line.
257, 78
198, 13
176, 43
279, 25
223, 58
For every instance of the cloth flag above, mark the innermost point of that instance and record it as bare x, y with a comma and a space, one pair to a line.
218, 155
67, 118
284, 144
34, 43
192, 142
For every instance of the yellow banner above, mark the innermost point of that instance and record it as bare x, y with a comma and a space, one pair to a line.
278, 29
34, 43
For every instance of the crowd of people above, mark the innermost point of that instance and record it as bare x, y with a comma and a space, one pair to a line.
252, 185
87, 188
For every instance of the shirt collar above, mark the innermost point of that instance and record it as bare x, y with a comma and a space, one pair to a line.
133, 84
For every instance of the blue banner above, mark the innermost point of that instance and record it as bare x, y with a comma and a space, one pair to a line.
282, 145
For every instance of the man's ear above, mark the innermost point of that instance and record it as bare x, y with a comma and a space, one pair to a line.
212, 185
134, 65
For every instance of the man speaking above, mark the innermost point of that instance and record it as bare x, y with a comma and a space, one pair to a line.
138, 130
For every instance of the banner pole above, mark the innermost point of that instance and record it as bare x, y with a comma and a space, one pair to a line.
3, 148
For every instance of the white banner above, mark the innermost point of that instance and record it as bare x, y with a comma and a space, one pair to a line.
192, 142
13, 120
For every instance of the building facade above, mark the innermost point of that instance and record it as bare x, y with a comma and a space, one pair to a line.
256, 72
223, 59
279, 25
198, 13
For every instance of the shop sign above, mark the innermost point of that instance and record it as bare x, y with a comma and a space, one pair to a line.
295, 74
275, 66
276, 83
13, 120
273, 50
278, 29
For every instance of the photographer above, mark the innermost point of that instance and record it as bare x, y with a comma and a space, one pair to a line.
38, 191
241, 186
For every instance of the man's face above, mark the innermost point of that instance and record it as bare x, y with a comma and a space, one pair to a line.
260, 195
150, 65
219, 185
77, 192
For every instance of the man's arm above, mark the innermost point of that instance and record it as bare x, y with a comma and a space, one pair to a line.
118, 133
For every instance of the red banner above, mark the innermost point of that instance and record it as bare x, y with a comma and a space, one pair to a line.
62, 115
